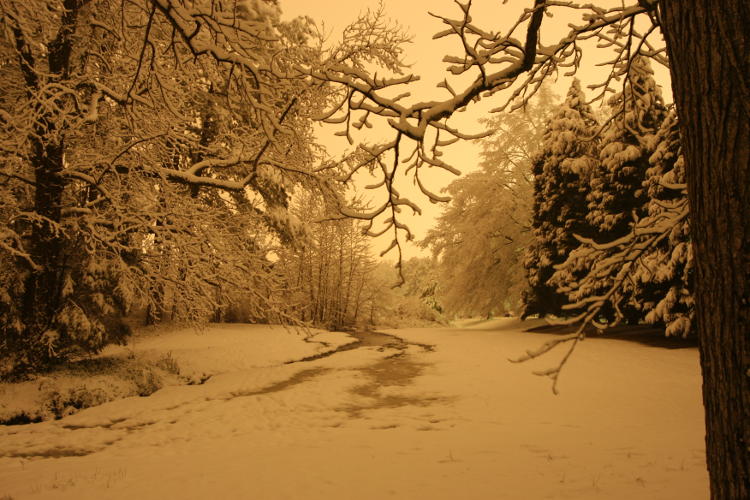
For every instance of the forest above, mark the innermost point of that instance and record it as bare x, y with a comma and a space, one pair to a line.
159, 164
147, 179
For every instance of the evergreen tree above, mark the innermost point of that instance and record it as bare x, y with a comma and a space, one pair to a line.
561, 171
648, 272
617, 199
664, 277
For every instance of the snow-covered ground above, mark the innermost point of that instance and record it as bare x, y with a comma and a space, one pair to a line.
393, 421
151, 359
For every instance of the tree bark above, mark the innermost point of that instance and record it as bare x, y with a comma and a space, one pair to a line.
41, 299
709, 51
42, 289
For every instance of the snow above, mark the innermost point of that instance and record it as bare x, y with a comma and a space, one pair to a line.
457, 421
233, 347
198, 353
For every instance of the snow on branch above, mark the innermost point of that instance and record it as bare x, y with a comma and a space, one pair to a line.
553, 372
517, 59
613, 261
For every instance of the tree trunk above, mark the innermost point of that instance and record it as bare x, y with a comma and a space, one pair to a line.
42, 291
41, 299
155, 311
709, 51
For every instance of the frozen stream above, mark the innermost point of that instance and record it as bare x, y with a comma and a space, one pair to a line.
427, 414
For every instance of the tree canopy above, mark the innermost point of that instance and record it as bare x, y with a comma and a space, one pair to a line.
128, 129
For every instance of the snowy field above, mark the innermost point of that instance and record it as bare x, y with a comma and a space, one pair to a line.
395, 420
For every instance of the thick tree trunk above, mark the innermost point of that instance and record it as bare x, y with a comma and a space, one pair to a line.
41, 299
709, 51
42, 289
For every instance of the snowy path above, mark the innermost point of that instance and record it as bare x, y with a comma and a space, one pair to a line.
389, 421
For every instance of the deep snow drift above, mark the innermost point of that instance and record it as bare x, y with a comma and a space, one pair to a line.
389, 421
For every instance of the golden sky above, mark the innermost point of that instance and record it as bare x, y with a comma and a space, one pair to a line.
425, 57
